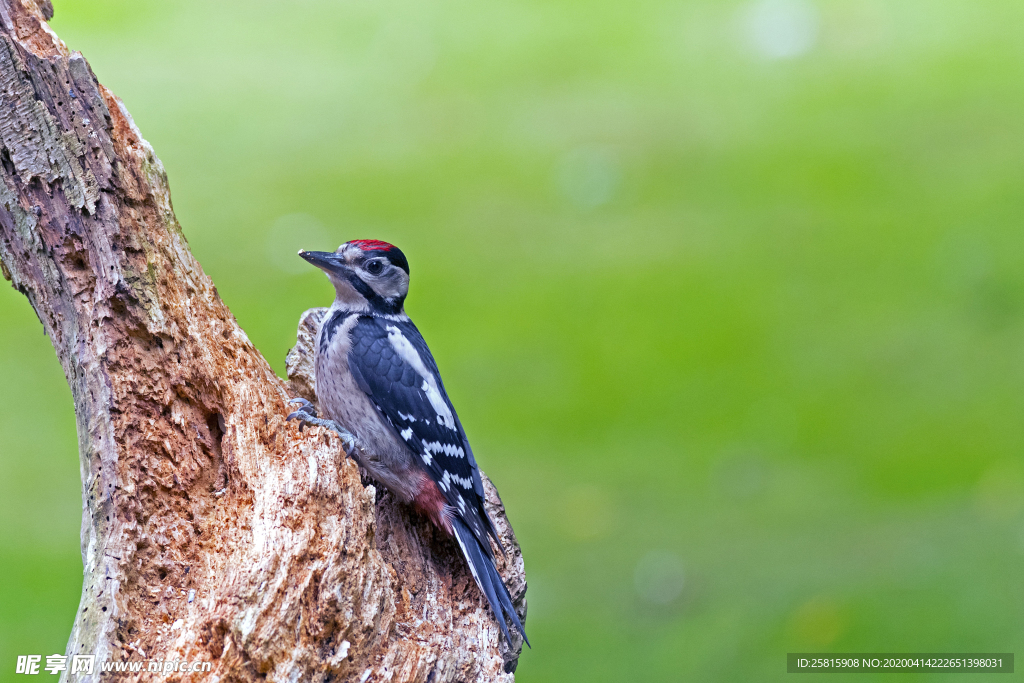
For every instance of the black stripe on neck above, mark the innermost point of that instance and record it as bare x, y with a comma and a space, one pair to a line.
378, 304
330, 327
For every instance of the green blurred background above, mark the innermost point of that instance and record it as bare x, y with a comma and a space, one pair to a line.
729, 296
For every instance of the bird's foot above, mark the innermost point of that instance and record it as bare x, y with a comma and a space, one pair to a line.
307, 415
306, 409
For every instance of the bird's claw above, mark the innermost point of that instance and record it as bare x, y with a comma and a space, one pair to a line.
307, 415
306, 409
348, 441
304, 414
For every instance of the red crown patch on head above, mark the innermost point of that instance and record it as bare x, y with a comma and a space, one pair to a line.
372, 245
394, 254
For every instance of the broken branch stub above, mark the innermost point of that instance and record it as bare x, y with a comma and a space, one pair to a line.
212, 530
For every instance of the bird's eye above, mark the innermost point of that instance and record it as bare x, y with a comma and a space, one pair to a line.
374, 267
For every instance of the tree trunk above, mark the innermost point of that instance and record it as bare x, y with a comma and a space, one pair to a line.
212, 530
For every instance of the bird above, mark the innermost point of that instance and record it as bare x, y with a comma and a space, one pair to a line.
378, 387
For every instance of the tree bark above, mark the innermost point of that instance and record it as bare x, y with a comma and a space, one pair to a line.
212, 529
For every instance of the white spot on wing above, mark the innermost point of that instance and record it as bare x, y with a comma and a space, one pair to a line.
448, 477
407, 433
407, 352
450, 449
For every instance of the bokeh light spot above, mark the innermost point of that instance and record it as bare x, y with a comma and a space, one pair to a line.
589, 176
659, 577
780, 29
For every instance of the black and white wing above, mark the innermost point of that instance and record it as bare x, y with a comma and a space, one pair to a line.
393, 366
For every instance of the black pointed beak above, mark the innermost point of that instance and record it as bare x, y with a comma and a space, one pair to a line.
325, 260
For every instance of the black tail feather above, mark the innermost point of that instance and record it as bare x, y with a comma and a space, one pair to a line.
488, 579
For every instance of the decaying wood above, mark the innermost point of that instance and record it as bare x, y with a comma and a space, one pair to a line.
212, 529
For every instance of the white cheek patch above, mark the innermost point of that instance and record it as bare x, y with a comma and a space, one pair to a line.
405, 350
392, 285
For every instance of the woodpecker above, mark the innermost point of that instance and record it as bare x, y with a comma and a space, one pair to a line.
378, 387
